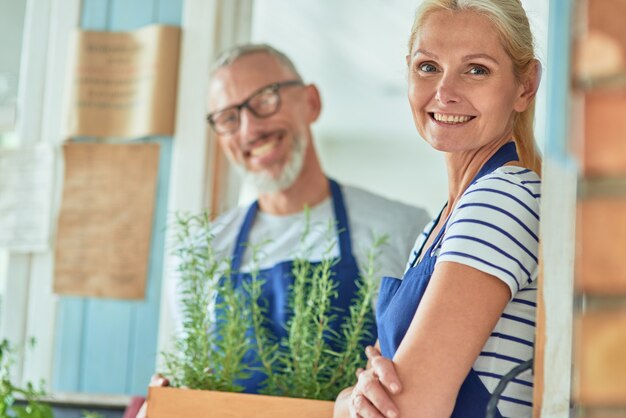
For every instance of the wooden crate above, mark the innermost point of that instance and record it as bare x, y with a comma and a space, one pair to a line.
166, 402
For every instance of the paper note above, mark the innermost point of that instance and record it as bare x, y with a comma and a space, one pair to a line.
105, 225
124, 83
26, 181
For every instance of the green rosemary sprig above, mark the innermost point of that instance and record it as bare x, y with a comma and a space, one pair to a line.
214, 341
355, 326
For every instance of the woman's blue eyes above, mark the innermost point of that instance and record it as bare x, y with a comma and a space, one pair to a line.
427, 68
478, 70
474, 70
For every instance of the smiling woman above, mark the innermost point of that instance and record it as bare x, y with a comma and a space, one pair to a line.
451, 85
463, 315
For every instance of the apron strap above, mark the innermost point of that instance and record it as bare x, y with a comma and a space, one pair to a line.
505, 154
341, 226
341, 217
242, 237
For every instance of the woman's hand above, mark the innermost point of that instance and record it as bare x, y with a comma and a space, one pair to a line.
370, 397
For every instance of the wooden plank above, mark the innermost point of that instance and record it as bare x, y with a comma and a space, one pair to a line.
170, 403
558, 215
601, 358
104, 360
68, 347
601, 239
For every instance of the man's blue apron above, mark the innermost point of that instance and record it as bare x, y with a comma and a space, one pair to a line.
398, 301
279, 278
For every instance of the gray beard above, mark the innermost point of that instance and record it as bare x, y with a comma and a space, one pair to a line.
264, 183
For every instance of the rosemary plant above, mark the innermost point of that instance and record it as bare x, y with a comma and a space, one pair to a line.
213, 340
218, 332
308, 366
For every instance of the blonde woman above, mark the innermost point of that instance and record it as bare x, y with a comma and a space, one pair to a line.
463, 315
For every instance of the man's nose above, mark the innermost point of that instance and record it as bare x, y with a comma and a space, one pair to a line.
248, 123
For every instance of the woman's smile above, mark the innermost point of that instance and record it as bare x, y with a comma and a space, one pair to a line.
463, 94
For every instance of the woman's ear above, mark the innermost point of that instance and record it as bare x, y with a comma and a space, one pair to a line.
314, 102
529, 86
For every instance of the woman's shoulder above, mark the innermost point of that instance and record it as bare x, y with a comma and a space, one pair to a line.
509, 187
509, 178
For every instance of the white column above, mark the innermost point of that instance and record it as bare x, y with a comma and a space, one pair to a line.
208, 27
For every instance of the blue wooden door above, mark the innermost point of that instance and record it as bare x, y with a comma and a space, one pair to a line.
104, 345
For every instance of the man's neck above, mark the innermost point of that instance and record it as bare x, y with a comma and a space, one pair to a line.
308, 190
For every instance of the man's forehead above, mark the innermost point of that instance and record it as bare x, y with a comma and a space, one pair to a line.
236, 81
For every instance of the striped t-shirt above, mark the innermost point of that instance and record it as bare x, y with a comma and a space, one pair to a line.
495, 228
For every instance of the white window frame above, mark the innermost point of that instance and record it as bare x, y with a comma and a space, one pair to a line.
29, 308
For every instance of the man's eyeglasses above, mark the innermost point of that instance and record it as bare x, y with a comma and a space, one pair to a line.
262, 103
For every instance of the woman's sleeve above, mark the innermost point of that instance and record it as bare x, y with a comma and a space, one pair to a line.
495, 229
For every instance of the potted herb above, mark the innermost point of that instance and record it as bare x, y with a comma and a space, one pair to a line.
209, 351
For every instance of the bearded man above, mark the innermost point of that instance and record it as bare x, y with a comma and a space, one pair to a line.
262, 112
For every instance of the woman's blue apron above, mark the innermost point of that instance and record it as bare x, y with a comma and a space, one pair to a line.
398, 301
279, 278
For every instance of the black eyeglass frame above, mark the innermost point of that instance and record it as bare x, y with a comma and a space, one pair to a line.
274, 87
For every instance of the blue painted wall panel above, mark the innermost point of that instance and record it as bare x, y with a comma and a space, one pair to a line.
142, 355
129, 15
109, 346
105, 346
68, 353
95, 14
558, 104
169, 12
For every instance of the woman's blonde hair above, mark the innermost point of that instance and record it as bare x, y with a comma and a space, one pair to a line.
511, 22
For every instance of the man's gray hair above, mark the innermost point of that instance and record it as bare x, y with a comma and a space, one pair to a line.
231, 55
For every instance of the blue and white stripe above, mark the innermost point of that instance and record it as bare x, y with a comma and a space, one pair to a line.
495, 229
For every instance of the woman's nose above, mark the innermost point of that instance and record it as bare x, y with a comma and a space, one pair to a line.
447, 90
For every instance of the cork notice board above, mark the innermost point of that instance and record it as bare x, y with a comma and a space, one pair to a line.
124, 83
105, 224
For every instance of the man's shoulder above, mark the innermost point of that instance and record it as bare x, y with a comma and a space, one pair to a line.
358, 199
228, 221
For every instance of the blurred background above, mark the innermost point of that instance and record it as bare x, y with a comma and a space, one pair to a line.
101, 350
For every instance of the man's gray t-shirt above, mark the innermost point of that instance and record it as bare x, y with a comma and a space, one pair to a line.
369, 215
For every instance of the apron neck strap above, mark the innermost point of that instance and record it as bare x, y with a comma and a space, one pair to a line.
341, 227
242, 237
505, 154
341, 220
